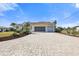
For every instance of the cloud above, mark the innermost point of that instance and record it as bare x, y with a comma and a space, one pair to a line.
4, 22
6, 7
71, 24
66, 14
76, 5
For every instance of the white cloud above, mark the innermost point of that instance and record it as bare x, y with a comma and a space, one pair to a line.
4, 22
71, 24
4, 7
76, 5
7, 6
66, 14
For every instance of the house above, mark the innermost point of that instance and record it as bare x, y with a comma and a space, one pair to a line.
43, 26
3, 29
77, 28
17, 27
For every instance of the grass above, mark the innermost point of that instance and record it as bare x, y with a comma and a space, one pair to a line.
6, 34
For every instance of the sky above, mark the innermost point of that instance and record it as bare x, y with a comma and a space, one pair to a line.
66, 14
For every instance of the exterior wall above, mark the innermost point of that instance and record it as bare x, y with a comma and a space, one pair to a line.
32, 29
51, 28
2, 30
77, 28
48, 28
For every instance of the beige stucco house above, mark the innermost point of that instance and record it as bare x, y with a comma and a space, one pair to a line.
43, 26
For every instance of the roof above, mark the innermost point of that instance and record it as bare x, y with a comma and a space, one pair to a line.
76, 26
41, 23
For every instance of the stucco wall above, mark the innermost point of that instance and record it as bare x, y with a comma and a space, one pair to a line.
77, 28
48, 28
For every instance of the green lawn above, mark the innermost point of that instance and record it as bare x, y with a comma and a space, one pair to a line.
5, 34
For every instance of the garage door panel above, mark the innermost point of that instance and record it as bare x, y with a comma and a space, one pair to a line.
40, 29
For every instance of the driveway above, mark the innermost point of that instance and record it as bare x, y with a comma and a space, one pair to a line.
41, 44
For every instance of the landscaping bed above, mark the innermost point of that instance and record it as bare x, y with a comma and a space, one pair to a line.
15, 31
77, 35
70, 31
10, 35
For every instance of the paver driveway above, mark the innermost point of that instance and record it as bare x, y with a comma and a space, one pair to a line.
46, 44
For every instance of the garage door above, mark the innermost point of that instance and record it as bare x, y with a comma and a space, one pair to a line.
40, 29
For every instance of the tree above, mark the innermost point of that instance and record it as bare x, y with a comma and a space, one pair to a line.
14, 26
21, 28
26, 28
27, 24
59, 29
55, 22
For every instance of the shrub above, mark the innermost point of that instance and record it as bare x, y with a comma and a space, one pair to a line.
64, 31
75, 33
25, 31
70, 31
59, 29
15, 34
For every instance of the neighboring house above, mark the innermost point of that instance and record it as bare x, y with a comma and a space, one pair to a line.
3, 29
43, 26
18, 26
77, 28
